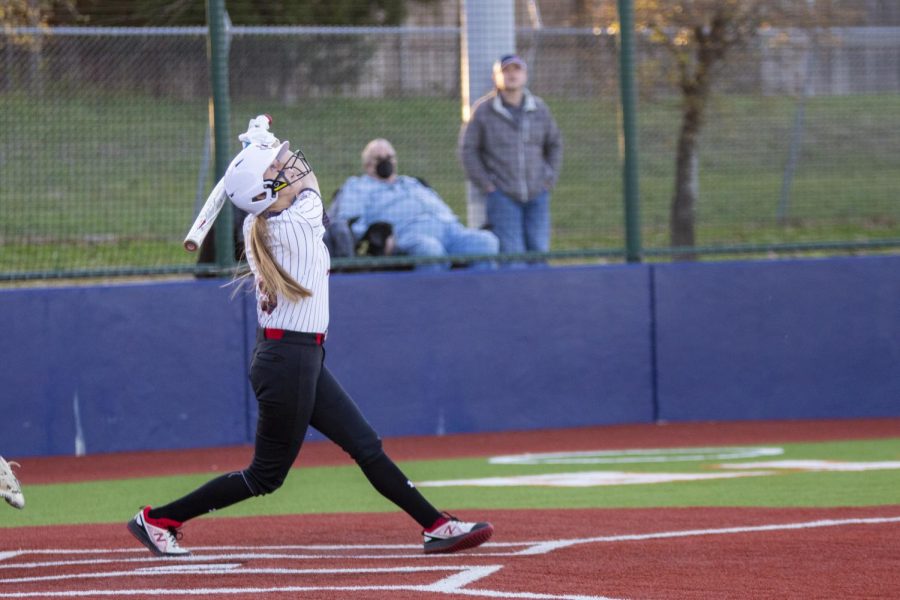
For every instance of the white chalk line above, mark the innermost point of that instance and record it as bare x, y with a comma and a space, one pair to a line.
140, 550
414, 549
253, 556
231, 569
453, 584
250, 552
530, 547
193, 568
167, 592
546, 547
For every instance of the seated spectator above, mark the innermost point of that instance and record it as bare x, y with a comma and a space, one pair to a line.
423, 225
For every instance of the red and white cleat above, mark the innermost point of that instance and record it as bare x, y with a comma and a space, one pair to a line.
449, 534
159, 535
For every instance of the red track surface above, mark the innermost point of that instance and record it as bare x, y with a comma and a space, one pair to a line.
670, 553
841, 561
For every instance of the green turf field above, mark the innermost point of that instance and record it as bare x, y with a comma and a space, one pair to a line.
344, 489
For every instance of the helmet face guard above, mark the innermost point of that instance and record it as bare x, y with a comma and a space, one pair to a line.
299, 167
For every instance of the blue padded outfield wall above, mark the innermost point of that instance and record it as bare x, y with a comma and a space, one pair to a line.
163, 365
778, 340
454, 352
120, 368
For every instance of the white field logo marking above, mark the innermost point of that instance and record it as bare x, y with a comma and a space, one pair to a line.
588, 479
671, 455
638, 456
612, 457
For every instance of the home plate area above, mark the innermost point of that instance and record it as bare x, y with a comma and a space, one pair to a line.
573, 554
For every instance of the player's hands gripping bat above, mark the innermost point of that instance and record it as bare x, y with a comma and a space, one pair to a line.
257, 133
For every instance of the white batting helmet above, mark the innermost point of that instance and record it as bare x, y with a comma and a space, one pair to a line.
245, 182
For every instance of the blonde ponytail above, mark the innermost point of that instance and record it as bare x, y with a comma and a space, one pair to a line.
273, 279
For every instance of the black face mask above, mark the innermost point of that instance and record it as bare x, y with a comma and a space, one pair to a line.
384, 168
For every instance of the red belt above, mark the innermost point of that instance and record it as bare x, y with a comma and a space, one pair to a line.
270, 333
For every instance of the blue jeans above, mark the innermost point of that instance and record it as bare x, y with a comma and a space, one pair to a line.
520, 226
457, 240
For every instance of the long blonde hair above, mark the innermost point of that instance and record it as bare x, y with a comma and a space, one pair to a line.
272, 278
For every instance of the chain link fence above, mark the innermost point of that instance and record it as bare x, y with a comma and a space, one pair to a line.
101, 149
105, 158
796, 145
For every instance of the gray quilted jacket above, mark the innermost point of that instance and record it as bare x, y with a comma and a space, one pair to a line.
521, 160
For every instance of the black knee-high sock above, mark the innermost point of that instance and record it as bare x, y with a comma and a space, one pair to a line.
217, 493
389, 480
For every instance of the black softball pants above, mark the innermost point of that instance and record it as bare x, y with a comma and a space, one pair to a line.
294, 389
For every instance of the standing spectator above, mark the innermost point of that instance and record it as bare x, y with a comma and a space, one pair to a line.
421, 223
511, 150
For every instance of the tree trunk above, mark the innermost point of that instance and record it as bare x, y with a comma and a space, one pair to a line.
710, 47
681, 218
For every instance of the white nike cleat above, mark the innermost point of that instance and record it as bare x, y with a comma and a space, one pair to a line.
10, 490
449, 534
159, 535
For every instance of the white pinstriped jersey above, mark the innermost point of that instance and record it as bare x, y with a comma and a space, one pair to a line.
295, 241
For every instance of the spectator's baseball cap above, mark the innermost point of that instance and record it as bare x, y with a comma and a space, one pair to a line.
511, 59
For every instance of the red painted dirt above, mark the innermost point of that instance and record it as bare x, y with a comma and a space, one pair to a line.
688, 553
845, 561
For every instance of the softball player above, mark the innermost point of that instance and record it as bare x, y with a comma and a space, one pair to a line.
290, 265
